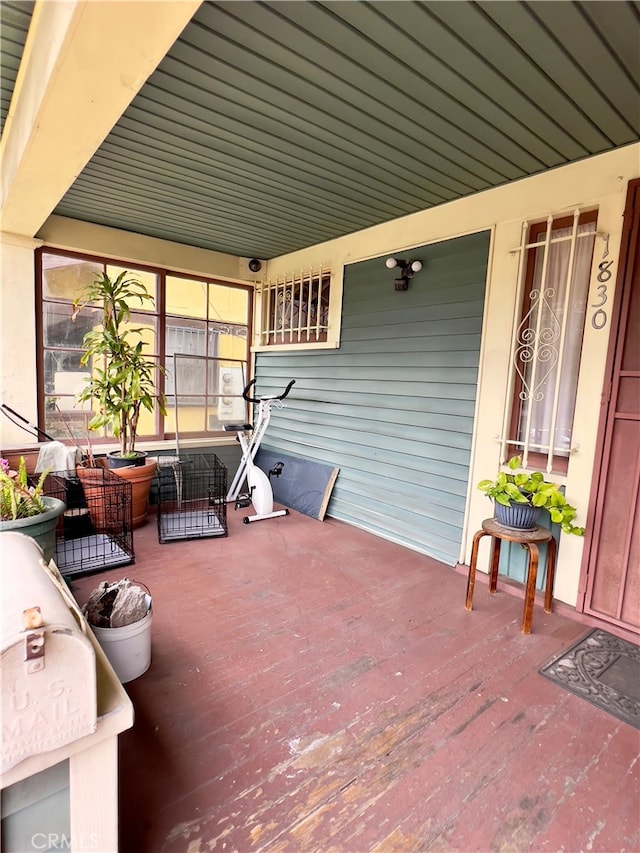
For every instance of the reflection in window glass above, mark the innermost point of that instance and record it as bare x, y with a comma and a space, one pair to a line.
226, 305
186, 297
65, 278
202, 320
147, 279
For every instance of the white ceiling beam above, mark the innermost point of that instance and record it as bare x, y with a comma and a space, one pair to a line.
83, 63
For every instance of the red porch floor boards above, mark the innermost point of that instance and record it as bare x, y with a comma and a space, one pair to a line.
315, 688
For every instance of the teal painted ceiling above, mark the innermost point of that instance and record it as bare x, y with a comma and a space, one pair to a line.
273, 126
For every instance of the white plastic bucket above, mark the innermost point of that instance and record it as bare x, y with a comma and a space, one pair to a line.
128, 648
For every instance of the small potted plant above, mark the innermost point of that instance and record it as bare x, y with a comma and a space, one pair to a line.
25, 509
121, 384
520, 496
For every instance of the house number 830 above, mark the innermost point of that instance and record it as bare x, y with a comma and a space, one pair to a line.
599, 316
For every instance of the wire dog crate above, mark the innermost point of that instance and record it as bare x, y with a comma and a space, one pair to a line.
96, 530
192, 497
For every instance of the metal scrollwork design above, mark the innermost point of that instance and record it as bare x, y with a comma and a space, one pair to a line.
537, 344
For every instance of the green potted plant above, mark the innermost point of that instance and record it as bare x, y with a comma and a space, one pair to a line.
122, 380
520, 496
25, 509
121, 384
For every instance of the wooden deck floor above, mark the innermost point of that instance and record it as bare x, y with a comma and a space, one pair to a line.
315, 688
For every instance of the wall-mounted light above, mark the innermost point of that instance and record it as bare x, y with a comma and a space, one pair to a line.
406, 268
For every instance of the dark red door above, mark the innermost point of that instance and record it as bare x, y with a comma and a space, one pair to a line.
611, 570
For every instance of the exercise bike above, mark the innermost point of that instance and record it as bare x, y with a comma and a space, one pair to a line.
260, 493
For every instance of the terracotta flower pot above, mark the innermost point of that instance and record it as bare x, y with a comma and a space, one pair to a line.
104, 504
140, 477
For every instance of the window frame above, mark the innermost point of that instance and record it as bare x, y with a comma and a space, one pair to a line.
535, 237
331, 274
159, 312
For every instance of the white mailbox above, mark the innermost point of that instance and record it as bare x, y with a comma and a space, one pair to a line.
47, 663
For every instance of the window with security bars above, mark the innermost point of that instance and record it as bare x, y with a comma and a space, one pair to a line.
295, 308
554, 272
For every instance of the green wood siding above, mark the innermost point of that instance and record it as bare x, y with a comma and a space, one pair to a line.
393, 408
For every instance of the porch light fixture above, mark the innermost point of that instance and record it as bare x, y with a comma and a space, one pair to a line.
406, 268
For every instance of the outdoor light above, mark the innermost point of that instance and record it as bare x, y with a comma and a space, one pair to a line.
407, 269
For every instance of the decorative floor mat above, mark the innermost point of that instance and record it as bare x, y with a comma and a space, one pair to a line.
604, 670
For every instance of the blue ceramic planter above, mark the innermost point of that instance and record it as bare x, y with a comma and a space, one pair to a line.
518, 516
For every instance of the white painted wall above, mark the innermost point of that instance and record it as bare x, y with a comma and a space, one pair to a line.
17, 334
72, 235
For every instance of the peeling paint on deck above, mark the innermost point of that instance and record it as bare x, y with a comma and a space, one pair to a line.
356, 706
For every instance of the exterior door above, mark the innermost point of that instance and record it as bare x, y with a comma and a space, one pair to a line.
611, 570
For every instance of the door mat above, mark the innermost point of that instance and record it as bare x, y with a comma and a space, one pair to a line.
604, 670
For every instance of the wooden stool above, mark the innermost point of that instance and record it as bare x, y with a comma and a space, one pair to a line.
529, 539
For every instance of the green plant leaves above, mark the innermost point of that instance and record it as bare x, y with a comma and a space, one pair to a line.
531, 488
122, 377
17, 498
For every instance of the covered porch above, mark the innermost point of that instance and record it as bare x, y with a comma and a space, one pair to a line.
316, 688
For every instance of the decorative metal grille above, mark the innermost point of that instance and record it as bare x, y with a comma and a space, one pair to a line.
546, 347
538, 346
295, 308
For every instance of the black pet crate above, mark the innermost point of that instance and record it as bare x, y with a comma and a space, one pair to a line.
96, 531
192, 497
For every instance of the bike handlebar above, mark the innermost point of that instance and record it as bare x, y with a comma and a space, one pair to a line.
249, 399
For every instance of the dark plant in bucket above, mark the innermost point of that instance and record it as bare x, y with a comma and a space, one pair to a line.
520, 496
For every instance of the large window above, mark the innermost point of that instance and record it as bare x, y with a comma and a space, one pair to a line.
197, 329
555, 273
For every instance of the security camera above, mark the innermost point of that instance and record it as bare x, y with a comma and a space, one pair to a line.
255, 265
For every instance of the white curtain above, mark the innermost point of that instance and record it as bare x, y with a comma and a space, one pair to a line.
550, 341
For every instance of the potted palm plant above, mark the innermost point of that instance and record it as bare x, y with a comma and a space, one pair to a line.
519, 497
25, 509
121, 384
